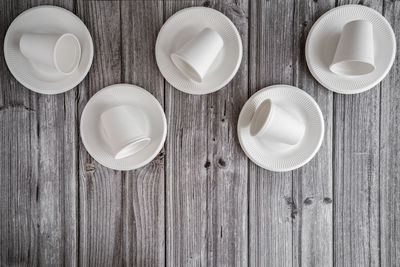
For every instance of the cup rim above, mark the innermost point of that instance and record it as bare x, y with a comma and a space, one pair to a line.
77, 56
132, 147
339, 69
255, 128
192, 74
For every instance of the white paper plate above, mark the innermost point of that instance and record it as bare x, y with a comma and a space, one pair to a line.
281, 157
183, 26
46, 19
130, 95
322, 41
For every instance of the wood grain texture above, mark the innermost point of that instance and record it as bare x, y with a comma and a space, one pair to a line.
390, 151
143, 189
100, 189
45, 181
356, 174
227, 185
206, 169
200, 202
58, 177
19, 226
312, 183
272, 207
19, 208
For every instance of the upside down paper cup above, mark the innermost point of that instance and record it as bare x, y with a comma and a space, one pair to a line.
123, 128
62, 52
195, 58
272, 122
355, 50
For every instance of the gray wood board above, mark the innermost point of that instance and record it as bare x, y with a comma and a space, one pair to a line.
312, 184
38, 178
100, 188
206, 169
356, 175
271, 204
389, 213
201, 201
144, 189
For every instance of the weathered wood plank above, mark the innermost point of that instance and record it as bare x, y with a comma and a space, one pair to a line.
58, 137
312, 183
272, 208
206, 169
50, 169
100, 188
390, 151
118, 218
19, 208
227, 185
143, 189
19, 227
356, 175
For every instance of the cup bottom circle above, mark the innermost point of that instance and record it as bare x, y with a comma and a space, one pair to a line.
67, 53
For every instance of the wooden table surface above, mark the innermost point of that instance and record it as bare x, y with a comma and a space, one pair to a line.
200, 202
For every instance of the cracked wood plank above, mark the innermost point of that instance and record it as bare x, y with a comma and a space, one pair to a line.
313, 183
206, 168
38, 172
100, 189
143, 189
390, 151
356, 174
272, 207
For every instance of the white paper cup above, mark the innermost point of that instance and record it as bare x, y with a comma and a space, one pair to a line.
272, 122
355, 50
124, 130
195, 57
61, 52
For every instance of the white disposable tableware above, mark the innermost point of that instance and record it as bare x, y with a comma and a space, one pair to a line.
323, 40
40, 77
59, 51
355, 50
275, 123
195, 57
124, 130
272, 154
146, 111
184, 26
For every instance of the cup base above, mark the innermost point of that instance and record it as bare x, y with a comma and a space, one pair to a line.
67, 53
